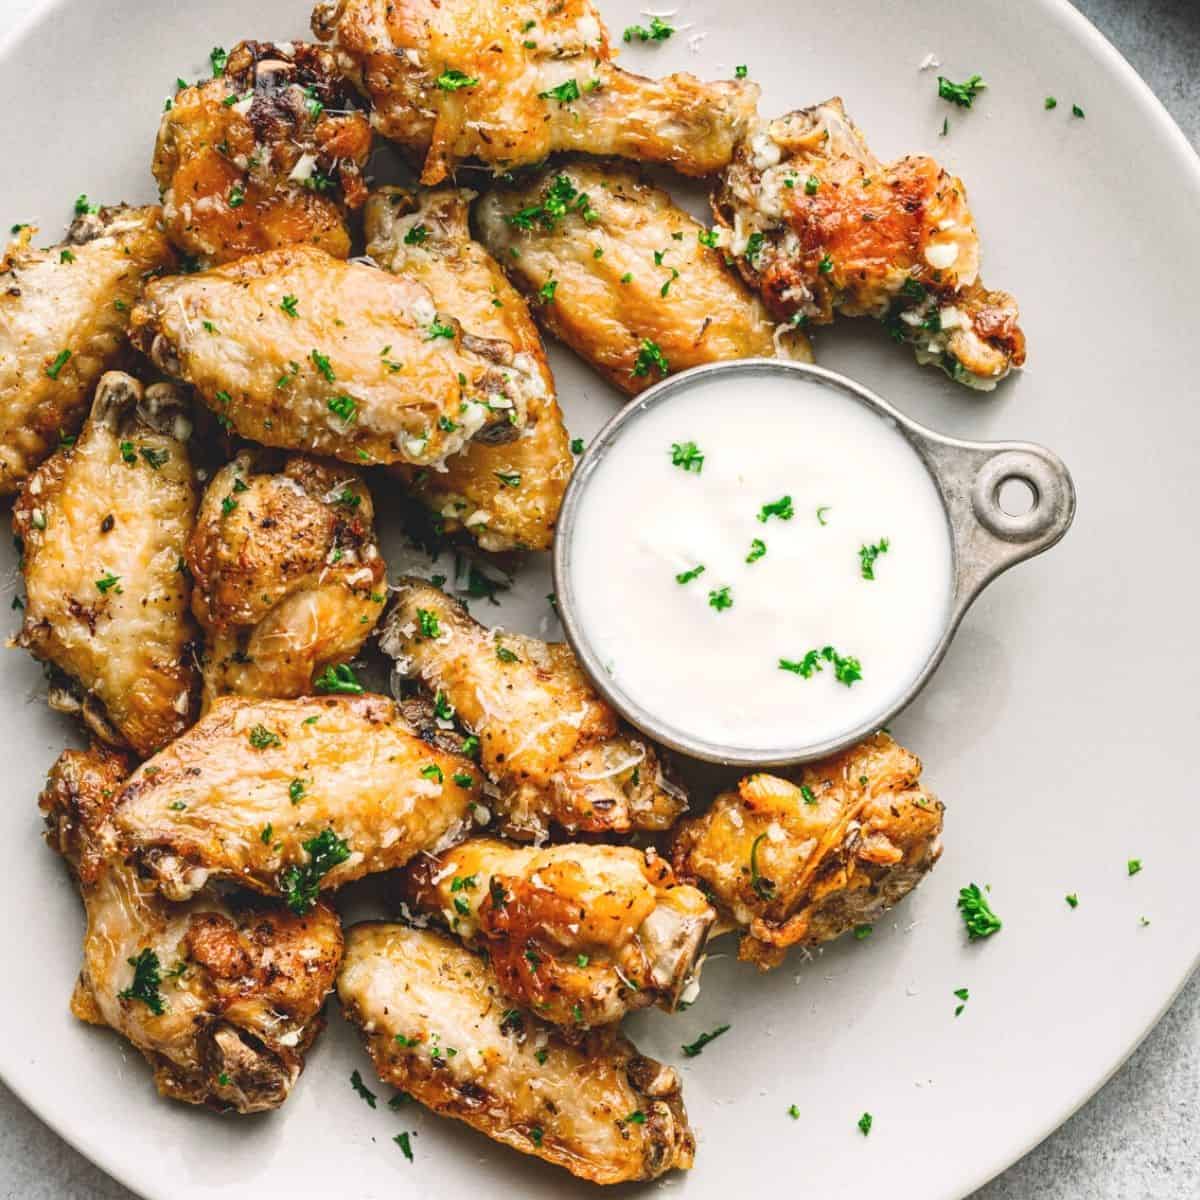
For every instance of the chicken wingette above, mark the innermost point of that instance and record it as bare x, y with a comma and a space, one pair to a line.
103, 524
223, 997
506, 495
299, 350
800, 863
288, 578
291, 797
626, 278
437, 1026
554, 751
509, 83
580, 934
268, 153
63, 315
821, 228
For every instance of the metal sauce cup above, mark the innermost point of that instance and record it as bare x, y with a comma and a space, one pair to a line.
985, 540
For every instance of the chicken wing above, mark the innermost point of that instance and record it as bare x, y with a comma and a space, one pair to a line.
625, 277
820, 226
222, 997
289, 581
295, 349
268, 153
554, 750
507, 495
289, 797
103, 524
63, 314
435, 1023
792, 864
508, 83
580, 934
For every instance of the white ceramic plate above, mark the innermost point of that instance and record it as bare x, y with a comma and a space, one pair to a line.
1059, 731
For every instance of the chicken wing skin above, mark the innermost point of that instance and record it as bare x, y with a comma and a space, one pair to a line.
622, 275
103, 524
508, 83
299, 350
287, 797
63, 315
223, 998
288, 576
800, 863
821, 227
268, 153
435, 1023
580, 934
555, 751
507, 496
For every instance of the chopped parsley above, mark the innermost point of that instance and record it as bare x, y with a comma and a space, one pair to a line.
825, 266
536, 1134
846, 668
505, 655
321, 362
962, 94
1050, 102
708, 237
807, 794
344, 407
867, 556
1133, 866
547, 290
762, 887
218, 58
66, 257
781, 508
147, 977
296, 791
649, 355
1072, 899
757, 549
266, 834
688, 456
440, 329
109, 582
60, 360
864, 1123
740, 71
1076, 111
577, 445
434, 772
340, 679
356, 1082
963, 996
416, 236
237, 196
692, 1049
453, 81
811, 185
463, 779
754, 245
720, 599
300, 882
510, 479
288, 304
428, 624
566, 91
821, 514
637, 1117
402, 1140
262, 738
862, 932
793, 1111
154, 458
977, 913
658, 31
82, 207
688, 576
560, 197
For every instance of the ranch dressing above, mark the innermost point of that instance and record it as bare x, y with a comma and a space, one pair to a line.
788, 494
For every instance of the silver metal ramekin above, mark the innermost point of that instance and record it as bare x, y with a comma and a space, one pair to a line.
985, 539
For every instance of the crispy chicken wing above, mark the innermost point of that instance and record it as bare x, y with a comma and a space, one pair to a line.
801, 863
288, 576
580, 934
103, 524
506, 495
508, 83
266, 154
820, 226
555, 751
436, 1024
288, 797
295, 349
625, 277
222, 997
63, 314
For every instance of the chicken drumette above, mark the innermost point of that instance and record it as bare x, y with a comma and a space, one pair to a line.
103, 524
614, 268
508, 83
821, 227
506, 495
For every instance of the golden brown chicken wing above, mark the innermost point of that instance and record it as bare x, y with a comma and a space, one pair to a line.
614, 268
103, 524
800, 863
508, 83
268, 153
63, 314
436, 1025
223, 997
299, 350
820, 226
555, 751
289, 581
290, 797
580, 934
506, 495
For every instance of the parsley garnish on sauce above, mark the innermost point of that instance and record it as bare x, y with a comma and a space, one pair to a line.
963, 995
1072, 899
864, 1123
300, 882
147, 977
962, 94
720, 599
688, 576
977, 913
757, 549
781, 508
846, 668
688, 456
867, 556
692, 1049
1133, 866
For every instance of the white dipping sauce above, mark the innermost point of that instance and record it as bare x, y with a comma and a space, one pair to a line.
713, 673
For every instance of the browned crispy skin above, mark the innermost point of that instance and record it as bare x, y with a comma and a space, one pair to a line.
103, 524
288, 575
623, 269
556, 752
800, 863
240, 986
580, 934
72, 299
499, 62
597, 1107
821, 227
506, 495
299, 350
267, 154
244, 791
